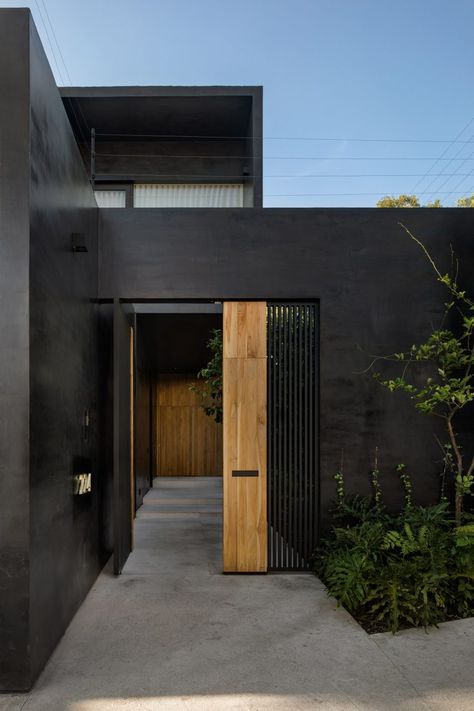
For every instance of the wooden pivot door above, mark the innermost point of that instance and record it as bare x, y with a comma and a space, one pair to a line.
188, 442
123, 435
245, 436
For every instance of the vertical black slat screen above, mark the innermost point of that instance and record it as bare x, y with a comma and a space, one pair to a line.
293, 476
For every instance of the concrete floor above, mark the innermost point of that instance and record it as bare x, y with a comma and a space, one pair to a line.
172, 634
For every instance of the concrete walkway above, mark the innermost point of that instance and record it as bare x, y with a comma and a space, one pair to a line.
172, 633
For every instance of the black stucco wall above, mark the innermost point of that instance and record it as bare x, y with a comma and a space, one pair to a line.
377, 295
142, 424
64, 559
49, 539
14, 350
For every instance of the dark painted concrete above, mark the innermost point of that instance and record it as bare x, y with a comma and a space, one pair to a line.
142, 428
14, 350
64, 546
143, 436
377, 292
377, 295
49, 539
218, 130
122, 513
106, 416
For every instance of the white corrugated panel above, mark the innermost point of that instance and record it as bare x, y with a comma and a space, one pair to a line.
187, 195
110, 198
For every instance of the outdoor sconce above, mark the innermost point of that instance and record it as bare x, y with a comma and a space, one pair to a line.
245, 171
86, 422
78, 242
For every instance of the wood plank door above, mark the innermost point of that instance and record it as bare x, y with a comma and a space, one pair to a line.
188, 442
245, 436
123, 436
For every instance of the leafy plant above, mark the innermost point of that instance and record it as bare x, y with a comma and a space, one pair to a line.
447, 387
412, 568
210, 389
413, 201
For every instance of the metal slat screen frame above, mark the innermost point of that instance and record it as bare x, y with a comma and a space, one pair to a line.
293, 434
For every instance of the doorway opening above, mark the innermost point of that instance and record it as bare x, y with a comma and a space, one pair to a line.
263, 461
175, 448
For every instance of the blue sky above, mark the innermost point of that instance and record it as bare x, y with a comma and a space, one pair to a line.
331, 69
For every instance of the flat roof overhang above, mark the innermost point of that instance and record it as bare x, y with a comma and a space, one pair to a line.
137, 112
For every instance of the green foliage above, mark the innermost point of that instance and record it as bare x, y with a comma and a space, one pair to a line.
413, 201
406, 484
391, 571
374, 478
465, 202
445, 384
210, 391
400, 201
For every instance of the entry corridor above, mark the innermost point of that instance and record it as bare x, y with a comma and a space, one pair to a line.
179, 528
173, 633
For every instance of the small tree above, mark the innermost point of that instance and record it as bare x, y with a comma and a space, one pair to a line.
400, 201
210, 391
449, 388
413, 201
465, 202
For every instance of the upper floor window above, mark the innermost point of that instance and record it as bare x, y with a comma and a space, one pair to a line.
111, 198
188, 195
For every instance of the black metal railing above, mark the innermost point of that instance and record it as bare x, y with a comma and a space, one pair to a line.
293, 430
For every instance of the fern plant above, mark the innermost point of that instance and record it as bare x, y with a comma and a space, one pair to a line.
408, 569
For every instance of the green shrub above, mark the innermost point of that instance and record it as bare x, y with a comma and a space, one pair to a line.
392, 571
210, 387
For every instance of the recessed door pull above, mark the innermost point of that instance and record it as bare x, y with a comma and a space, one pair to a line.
245, 472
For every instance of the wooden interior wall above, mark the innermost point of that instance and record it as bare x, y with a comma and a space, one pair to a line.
245, 437
188, 442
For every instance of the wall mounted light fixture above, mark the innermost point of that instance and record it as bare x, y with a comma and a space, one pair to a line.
78, 240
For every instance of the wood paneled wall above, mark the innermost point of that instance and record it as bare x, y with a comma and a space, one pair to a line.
188, 442
245, 437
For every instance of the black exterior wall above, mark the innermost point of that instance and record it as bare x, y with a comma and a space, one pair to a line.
14, 350
377, 295
48, 361
142, 424
64, 551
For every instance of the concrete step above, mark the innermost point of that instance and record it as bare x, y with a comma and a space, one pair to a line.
182, 506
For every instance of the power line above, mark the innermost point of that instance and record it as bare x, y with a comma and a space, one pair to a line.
364, 175
252, 157
49, 42
56, 41
325, 194
78, 123
285, 138
455, 140
454, 190
283, 176
463, 178
454, 158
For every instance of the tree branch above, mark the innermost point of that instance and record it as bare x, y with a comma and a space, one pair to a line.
452, 437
